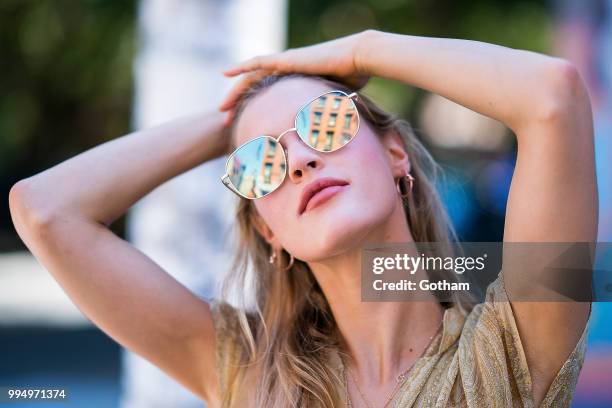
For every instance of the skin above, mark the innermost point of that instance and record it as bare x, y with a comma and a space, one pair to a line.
353, 217
542, 99
341, 227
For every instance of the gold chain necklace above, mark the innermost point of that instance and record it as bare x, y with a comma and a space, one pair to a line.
399, 380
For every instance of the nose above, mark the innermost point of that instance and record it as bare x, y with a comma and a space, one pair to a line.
300, 158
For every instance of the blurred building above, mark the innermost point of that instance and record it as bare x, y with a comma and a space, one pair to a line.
583, 35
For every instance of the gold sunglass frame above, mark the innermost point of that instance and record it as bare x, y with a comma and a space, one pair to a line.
225, 178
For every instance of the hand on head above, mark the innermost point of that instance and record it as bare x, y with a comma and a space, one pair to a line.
336, 59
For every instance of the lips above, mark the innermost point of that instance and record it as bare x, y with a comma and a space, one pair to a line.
319, 191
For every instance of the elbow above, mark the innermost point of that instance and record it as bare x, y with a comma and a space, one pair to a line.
26, 209
564, 94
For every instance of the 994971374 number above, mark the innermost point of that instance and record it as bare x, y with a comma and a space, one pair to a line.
8, 394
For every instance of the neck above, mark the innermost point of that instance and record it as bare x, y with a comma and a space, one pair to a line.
380, 337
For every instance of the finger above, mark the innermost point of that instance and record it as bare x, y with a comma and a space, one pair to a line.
255, 63
243, 84
230, 72
228, 119
234, 93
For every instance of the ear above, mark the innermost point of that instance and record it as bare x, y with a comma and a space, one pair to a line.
396, 153
265, 231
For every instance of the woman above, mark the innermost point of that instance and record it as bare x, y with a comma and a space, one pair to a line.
310, 341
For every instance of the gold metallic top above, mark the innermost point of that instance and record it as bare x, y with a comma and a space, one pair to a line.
476, 360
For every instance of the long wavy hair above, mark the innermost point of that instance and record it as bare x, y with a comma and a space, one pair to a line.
287, 327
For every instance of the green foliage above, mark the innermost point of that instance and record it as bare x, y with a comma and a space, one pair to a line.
66, 72
66, 78
516, 24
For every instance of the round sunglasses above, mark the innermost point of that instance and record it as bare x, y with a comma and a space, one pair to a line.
326, 124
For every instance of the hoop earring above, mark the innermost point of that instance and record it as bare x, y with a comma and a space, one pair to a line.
410, 179
273, 258
292, 259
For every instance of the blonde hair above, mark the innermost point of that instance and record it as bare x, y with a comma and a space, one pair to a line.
289, 328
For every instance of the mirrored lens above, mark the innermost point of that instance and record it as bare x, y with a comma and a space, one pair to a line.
329, 122
258, 167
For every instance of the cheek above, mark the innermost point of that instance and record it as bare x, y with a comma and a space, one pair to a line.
368, 204
371, 201
277, 213
371, 172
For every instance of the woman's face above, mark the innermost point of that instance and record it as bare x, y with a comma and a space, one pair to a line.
350, 215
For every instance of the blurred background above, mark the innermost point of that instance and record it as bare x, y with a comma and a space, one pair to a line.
77, 74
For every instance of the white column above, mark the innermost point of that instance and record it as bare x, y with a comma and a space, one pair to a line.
182, 225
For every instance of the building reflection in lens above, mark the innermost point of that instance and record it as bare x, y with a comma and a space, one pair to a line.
257, 168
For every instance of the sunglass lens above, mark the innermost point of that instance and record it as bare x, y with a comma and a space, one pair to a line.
257, 168
329, 122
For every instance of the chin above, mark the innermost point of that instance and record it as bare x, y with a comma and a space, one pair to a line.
345, 230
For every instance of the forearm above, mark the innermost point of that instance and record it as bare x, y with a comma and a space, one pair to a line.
100, 184
506, 84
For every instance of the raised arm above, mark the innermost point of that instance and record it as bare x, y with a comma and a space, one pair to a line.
542, 99
553, 195
62, 215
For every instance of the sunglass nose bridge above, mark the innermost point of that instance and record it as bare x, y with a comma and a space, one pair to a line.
284, 133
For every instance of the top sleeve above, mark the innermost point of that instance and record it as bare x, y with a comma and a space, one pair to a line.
227, 347
491, 349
